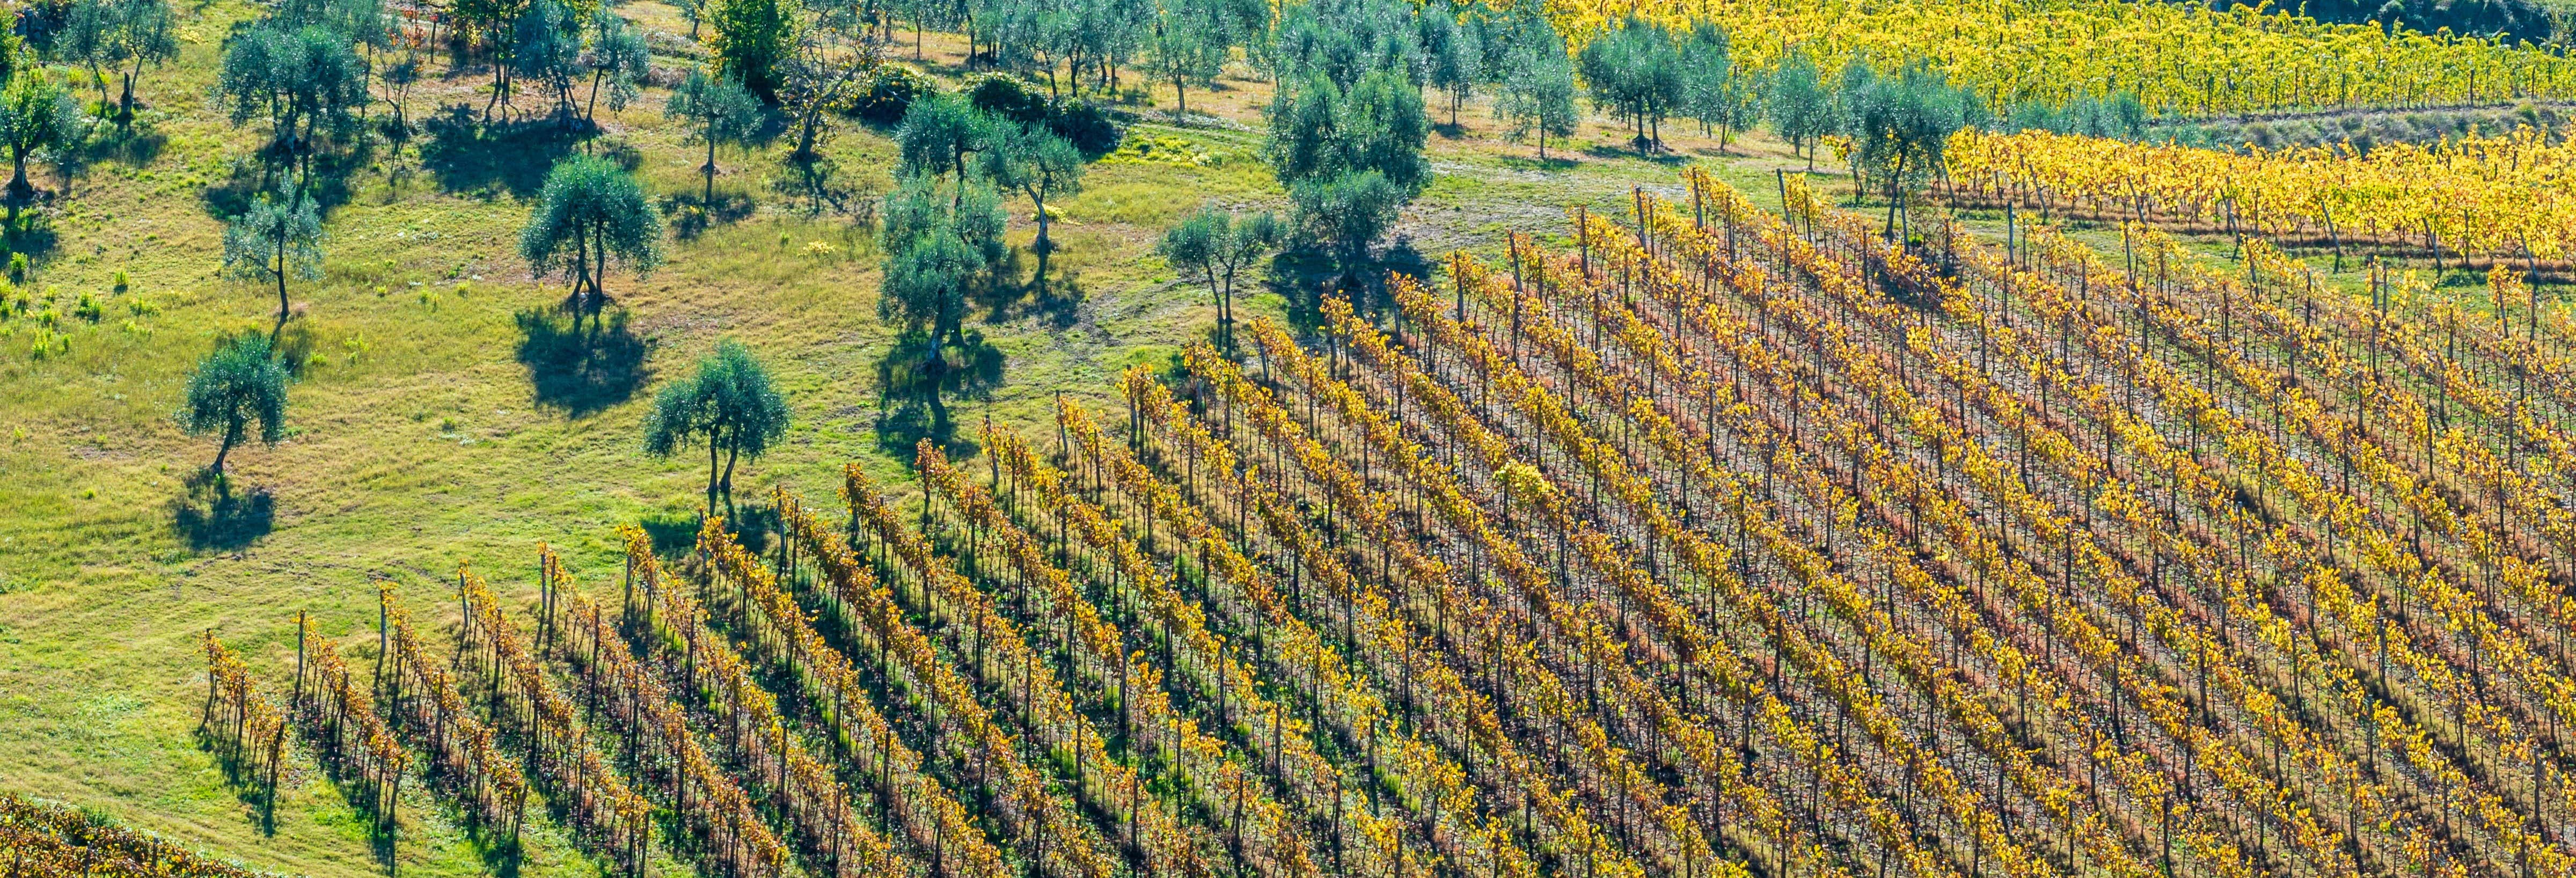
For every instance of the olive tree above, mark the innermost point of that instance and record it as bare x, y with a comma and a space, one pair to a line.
1717, 91
397, 80
81, 39
1634, 71
1900, 129
1188, 43
936, 134
829, 67
123, 36
237, 392
1537, 93
1450, 54
273, 240
1799, 108
1215, 246
35, 113
1040, 164
1350, 156
694, 12
1346, 40
753, 39
1851, 91
547, 53
308, 81
719, 111
729, 406
496, 22
590, 213
937, 251
618, 59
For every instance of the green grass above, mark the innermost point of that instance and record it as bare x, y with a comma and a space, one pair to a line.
421, 440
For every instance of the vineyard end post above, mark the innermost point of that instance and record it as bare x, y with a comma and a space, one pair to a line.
382, 607
1780, 176
1583, 236
208, 715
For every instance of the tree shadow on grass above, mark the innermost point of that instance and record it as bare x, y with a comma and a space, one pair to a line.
466, 155
211, 518
695, 210
501, 856
691, 216
1553, 162
1301, 276
1305, 276
324, 177
33, 234
134, 146
231, 196
1400, 258
1627, 149
1053, 295
580, 367
673, 534
819, 187
1056, 303
293, 342
383, 829
914, 405
753, 522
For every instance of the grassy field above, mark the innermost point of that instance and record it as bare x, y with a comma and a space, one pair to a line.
437, 424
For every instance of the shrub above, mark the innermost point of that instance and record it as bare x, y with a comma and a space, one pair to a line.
1007, 96
890, 91
122, 283
1087, 126
89, 309
18, 268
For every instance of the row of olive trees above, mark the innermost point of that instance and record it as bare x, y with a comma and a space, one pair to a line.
238, 393
1077, 48
307, 68
590, 214
1895, 123
299, 67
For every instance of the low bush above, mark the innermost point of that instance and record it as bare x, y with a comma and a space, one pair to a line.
1007, 96
890, 91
